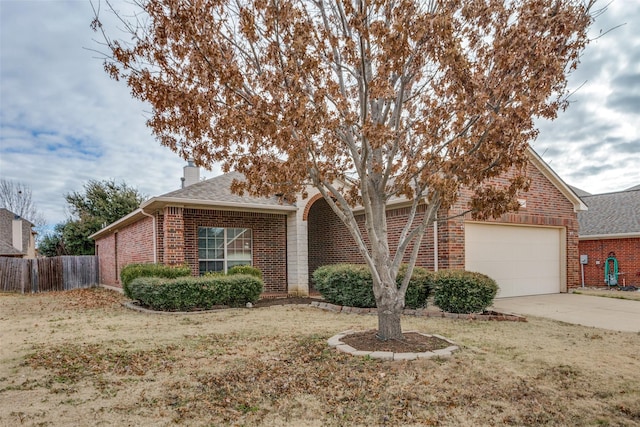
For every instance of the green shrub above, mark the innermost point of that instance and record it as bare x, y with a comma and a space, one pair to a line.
245, 269
458, 291
420, 287
133, 271
190, 293
345, 284
352, 285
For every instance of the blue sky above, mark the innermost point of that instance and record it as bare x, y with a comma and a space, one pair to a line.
63, 121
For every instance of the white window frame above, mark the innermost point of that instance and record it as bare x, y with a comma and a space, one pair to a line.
225, 260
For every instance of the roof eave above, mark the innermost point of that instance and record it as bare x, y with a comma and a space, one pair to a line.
114, 226
160, 202
157, 203
607, 236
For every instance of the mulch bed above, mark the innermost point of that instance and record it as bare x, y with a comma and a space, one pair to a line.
413, 342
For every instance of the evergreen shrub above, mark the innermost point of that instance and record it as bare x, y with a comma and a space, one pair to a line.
351, 285
195, 293
133, 271
458, 291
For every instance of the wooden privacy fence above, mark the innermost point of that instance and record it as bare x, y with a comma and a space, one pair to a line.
48, 274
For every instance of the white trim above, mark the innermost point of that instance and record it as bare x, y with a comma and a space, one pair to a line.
435, 244
114, 226
610, 236
162, 202
214, 204
155, 237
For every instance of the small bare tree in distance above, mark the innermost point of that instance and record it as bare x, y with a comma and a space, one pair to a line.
364, 100
17, 197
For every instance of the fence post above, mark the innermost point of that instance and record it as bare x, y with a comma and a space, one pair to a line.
33, 263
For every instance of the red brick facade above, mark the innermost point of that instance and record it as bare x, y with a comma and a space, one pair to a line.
627, 252
545, 206
269, 235
173, 242
177, 242
131, 244
330, 242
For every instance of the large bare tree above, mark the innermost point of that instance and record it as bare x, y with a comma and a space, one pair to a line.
364, 100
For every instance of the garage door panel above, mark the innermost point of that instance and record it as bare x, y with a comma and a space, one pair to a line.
523, 260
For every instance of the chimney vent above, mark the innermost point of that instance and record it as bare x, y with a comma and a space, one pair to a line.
191, 174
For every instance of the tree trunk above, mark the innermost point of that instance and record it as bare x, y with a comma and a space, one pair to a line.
390, 307
389, 326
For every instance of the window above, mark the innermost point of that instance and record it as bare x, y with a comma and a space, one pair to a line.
219, 249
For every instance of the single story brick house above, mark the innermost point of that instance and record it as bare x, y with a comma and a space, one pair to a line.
611, 226
532, 251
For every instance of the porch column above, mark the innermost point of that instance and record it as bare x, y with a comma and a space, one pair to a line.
297, 254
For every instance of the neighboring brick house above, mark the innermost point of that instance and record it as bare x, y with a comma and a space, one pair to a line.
611, 226
17, 237
207, 227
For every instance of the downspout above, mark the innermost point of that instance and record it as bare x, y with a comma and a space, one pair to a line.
435, 244
155, 239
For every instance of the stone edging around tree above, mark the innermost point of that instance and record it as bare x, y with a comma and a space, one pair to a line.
335, 341
491, 315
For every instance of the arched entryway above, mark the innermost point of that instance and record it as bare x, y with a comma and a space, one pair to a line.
328, 240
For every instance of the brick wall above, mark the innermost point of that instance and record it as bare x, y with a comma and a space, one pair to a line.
331, 243
269, 234
105, 250
173, 242
545, 206
133, 244
627, 252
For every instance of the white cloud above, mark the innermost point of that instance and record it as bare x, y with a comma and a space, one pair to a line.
64, 121
594, 144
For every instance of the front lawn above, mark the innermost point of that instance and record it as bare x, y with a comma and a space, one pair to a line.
80, 358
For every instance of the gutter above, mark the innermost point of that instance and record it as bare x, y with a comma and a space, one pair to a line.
188, 203
155, 237
435, 244
117, 224
610, 236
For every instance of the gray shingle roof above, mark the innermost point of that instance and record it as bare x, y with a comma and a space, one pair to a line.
635, 187
8, 249
580, 193
218, 189
611, 213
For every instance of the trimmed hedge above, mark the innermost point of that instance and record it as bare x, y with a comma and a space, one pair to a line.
459, 291
190, 293
245, 269
351, 285
345, 284
133, 271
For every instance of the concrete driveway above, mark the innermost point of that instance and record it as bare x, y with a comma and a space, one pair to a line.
605, 313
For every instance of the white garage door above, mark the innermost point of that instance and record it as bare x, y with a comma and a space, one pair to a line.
523, 260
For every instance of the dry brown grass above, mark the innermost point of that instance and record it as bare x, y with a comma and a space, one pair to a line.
82, 359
